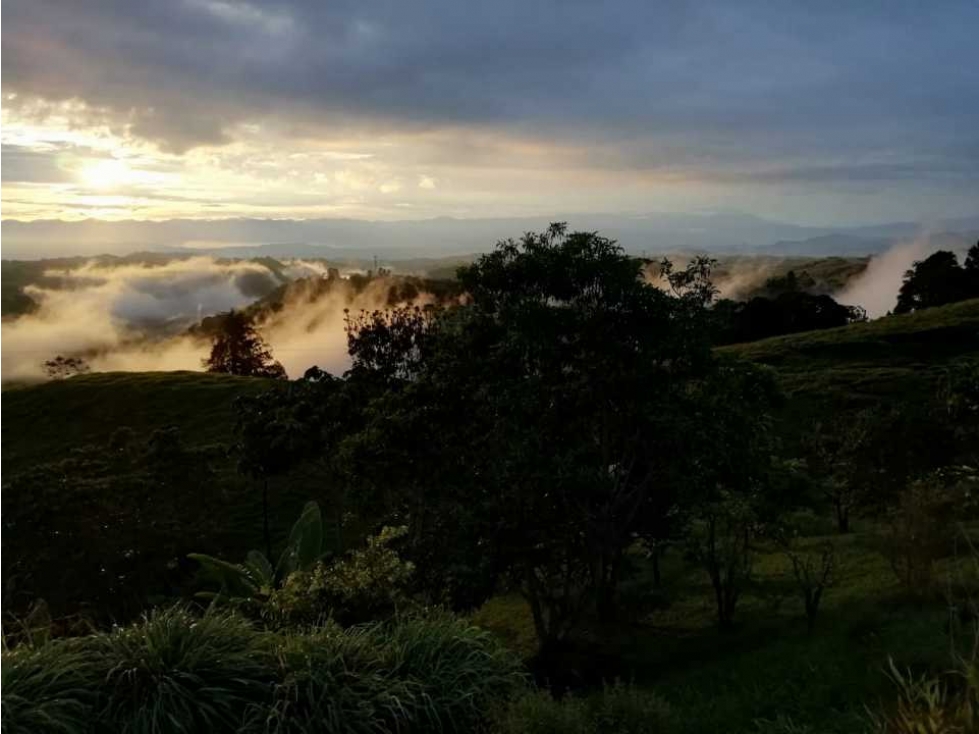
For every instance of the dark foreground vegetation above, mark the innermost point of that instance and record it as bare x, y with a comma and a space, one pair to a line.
553, 507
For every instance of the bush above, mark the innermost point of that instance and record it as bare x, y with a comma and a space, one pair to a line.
920, 531
47, 689
539, 713
334, 681
462, 669
425, 674
368, 584
177, 672
622, 709
618, 709
946, 704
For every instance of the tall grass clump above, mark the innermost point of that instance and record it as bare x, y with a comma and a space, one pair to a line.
463, 670
177, 672
334, 681
48, 689
936, 704
424, 674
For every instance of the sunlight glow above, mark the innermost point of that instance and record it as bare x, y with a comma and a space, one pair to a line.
106, 174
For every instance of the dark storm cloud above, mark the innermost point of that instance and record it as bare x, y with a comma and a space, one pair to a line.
708, 86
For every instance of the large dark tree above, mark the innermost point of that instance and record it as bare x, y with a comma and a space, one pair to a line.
934, 281
238, 349
534, 432
972, 269
786, 313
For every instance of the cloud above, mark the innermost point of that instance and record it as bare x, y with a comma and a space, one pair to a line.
106, 310
134, 317
725, 74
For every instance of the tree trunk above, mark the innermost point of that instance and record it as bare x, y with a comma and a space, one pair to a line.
265, 519
606, 586
657, 579
842, 518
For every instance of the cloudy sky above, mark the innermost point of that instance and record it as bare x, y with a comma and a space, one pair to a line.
823, 112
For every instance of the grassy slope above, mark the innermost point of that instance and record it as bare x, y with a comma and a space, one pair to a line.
769, 666
45, 421
851, 363
861, 363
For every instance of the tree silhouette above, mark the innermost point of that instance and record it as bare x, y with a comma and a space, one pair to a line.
239, 350
972, 270
934, 281
61, 367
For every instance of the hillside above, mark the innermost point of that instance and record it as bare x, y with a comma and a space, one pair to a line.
141, 503
870, 362
44, 422
851, 363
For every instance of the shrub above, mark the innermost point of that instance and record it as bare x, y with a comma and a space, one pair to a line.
368, 584
622, 709
618, 709
334, 681
538, 712
462, 669
426, 674
946, 704
919, 531
781, 725
176, 672
47, 689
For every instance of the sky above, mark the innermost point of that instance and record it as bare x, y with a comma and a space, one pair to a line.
835, 112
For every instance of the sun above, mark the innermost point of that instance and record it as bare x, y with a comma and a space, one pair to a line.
106, 174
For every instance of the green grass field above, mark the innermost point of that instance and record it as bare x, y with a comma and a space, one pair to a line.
44, 422
769, 668
889, 357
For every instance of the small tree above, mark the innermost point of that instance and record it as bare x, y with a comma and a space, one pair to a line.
814, 570
61, 367
919, 529
720, 540
238, 349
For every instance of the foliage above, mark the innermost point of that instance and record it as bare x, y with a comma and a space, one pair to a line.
735, 322
434, 674
574, 342
177, 671
814, 571
252, 583
617, 709
367, 584
238, 349
919, 530
937, 280
537, 712
61, 367
46, 689
720, 540
927, 704
622, 709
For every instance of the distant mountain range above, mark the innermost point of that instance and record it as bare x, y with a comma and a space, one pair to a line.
349, 239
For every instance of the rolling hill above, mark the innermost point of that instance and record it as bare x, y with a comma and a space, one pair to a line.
112, 477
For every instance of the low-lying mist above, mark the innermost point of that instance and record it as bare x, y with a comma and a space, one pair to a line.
136, 317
